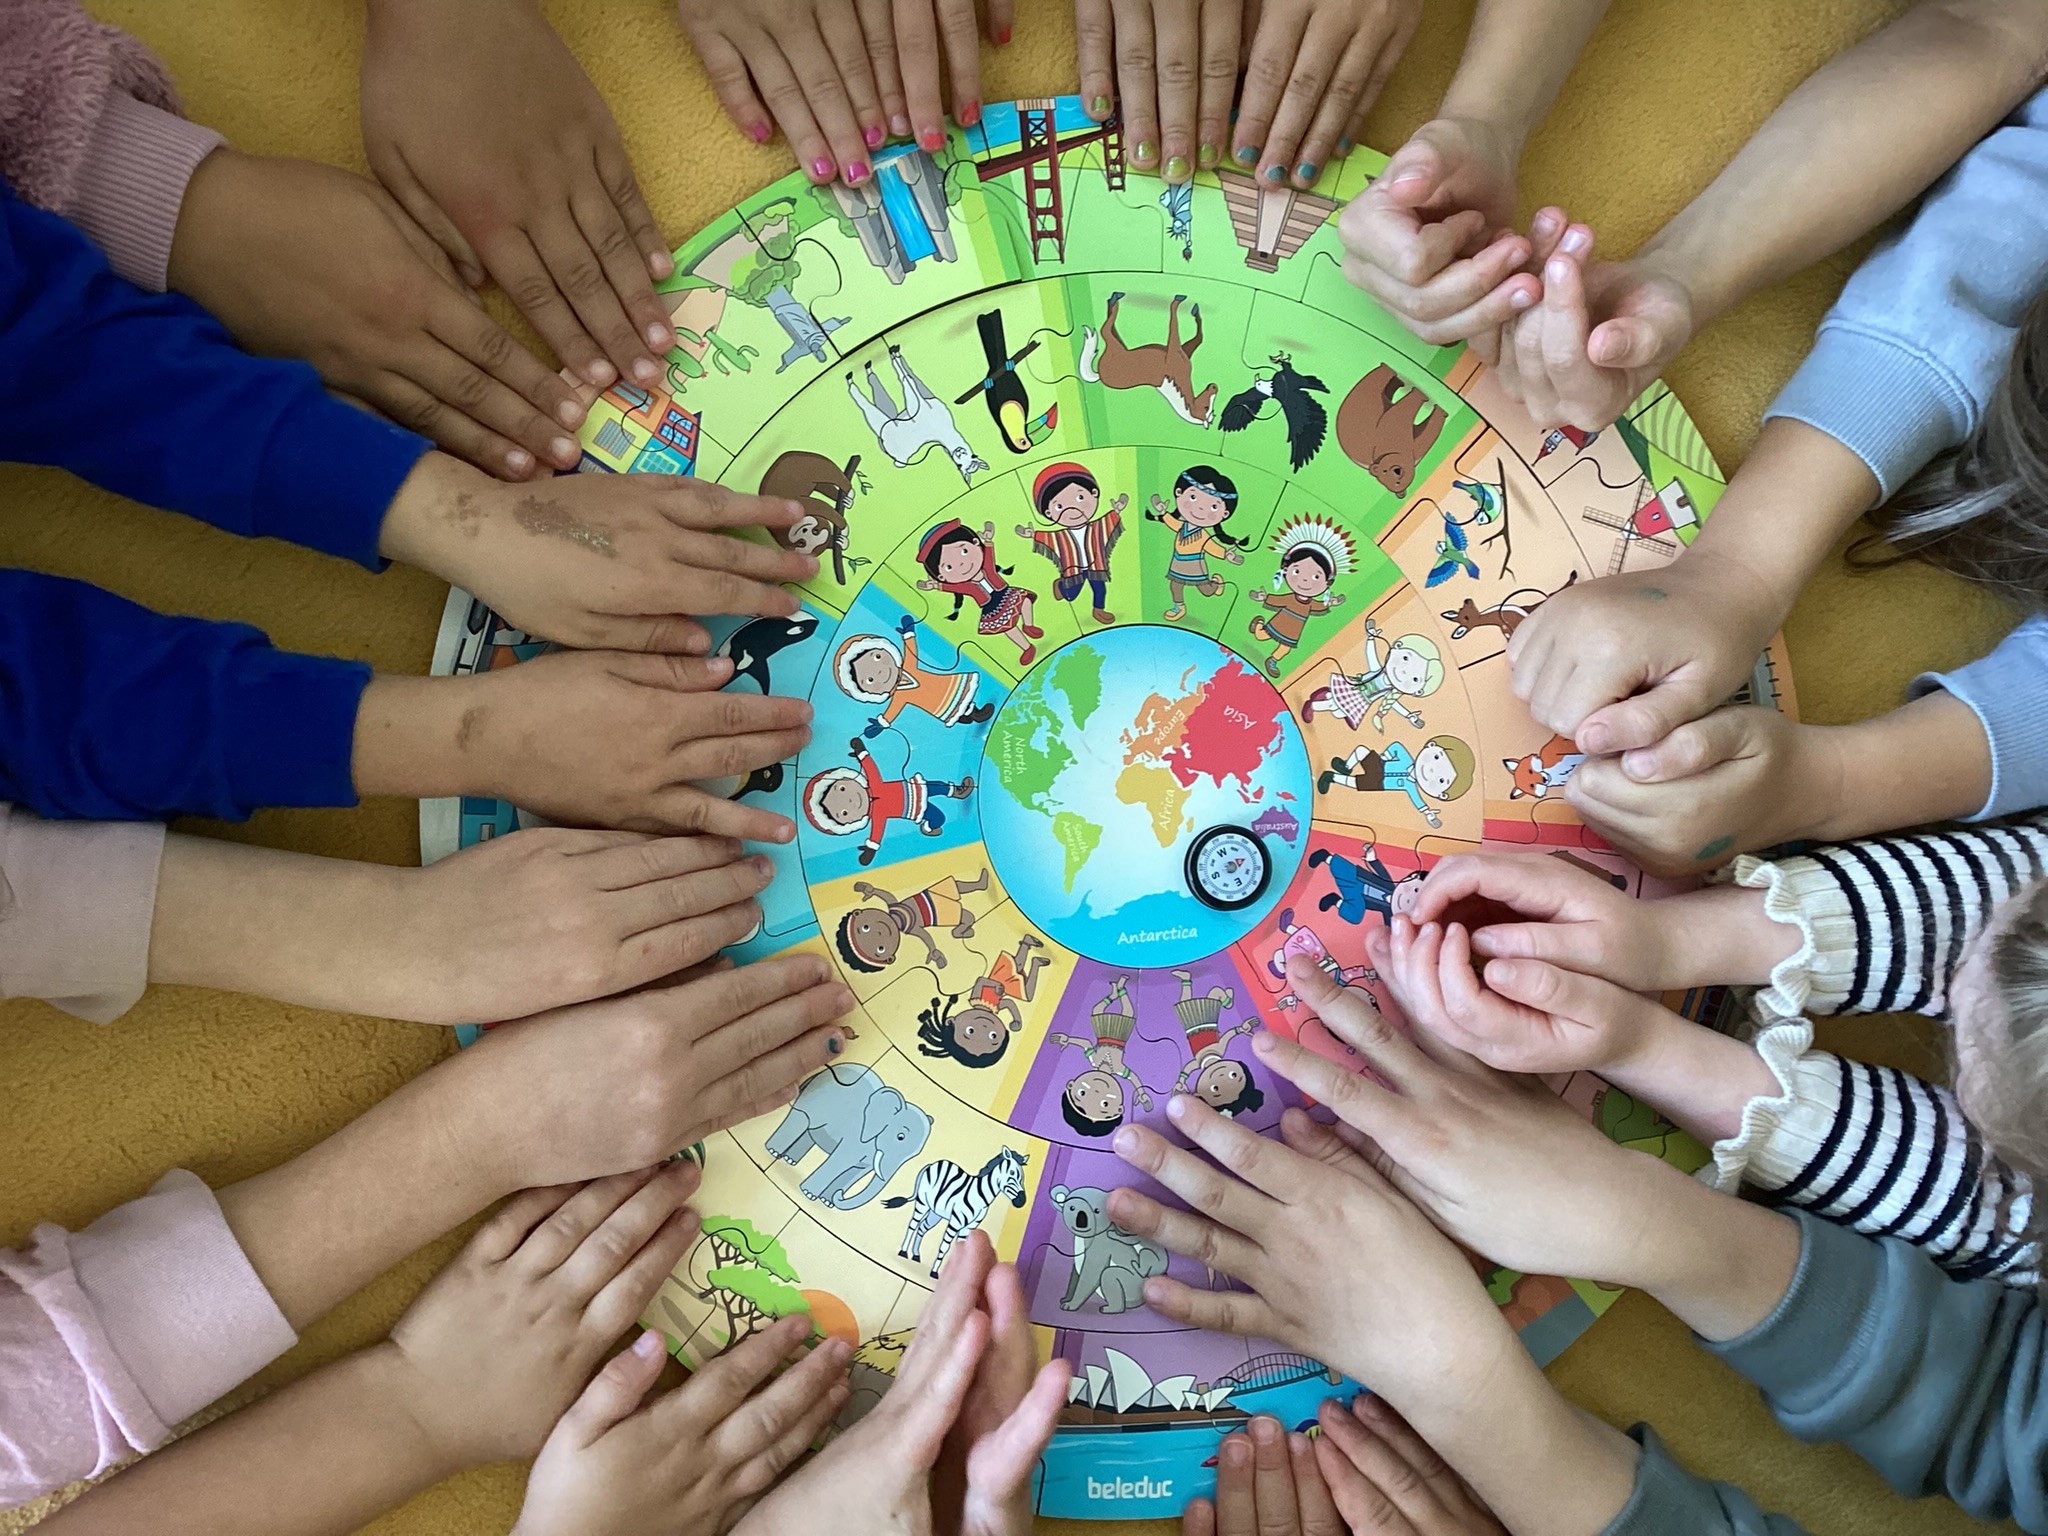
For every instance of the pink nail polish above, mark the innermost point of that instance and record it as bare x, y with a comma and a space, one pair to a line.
821, 169
759, 132
873, 135
857, 173
1002, 37
931, 141
969, 115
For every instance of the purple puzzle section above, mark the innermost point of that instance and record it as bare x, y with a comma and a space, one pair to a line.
1158, 1048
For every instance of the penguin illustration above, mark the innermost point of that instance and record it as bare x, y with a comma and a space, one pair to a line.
1003, 388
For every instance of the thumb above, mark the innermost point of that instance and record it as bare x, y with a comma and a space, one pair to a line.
1691, 749
1631, 342
1646, 720
1416, 171
616, 1391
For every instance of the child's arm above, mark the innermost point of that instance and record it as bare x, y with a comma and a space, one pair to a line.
478, 1370
1865, 134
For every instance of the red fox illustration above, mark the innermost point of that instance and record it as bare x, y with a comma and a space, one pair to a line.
1544, 769
1168, 368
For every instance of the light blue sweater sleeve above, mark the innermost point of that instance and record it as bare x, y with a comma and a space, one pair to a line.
1911, 352
2008, 691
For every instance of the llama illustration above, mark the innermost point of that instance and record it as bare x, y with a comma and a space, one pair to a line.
920, 422
1167, 367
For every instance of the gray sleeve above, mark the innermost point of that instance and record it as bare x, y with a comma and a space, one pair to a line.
1936, 1383
1667, 1500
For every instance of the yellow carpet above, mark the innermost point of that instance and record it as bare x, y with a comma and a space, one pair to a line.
228, 1085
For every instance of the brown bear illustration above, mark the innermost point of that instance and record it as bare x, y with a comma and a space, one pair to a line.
1386, 425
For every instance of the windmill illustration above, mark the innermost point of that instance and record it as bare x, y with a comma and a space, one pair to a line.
1654, 523
1037, 155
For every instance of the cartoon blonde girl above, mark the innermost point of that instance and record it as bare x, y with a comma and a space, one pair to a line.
1410, 668
1203, 498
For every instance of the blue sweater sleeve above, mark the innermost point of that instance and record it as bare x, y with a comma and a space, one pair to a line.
115, 713
146, 395
1911, 352
2008, 690
1937, 1383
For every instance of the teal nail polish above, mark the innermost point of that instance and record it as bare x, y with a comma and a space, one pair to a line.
1276, 173
1248, 155
1307, 170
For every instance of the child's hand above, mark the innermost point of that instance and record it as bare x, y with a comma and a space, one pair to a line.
1267, 1484
965, 1392
612, 562
1743, 777
1535, 906
1431, 240
588, 1091
1340, 1265
688, 1463
839, 77
1621, 662
1385, 1479
502, 1340
303, 260
1313, 69
488, 132
531, 734
1601, 335
1529, 1016
1499, 1163
549, 917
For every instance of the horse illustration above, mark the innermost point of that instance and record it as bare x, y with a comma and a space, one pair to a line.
1167, 367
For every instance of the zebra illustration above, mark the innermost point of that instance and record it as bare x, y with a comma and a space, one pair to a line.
949, 1197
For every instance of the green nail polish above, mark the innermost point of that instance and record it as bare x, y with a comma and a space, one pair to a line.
1205, 157
1248, 155
1177, 168
1143, 153
1100, 106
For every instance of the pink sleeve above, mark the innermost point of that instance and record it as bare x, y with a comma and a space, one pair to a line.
76, 901
111, 1336
89, 129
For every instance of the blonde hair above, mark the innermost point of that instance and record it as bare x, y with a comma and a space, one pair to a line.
2003, 1083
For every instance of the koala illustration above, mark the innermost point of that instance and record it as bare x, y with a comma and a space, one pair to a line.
1108, 1261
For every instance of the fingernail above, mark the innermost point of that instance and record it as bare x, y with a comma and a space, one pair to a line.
1546, 223
1577, 241
857, 173
649, 1344
1176, 1108
1236, 1449
1177, 168
968, 115
660, 337
899, 126
1125, 1141
1265, 1430
565, 451
1205, 157
570, 413
1276, 173
763, 866
601, 373
872, 134
760, 133
718, 666
1002, 37
1307, 170
821, 169
1556, 271
1345, 146
1248, 154
1521, 298
519, 461
834, 1045
661, 264
931, 141
1144, 152
646, 370
1099, 107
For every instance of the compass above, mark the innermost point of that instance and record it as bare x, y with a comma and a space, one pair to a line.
1228, 867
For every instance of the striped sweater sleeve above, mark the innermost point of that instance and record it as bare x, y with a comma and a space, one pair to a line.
1884, 1153
1882, 921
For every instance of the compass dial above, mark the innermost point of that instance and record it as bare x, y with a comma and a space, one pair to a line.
1228, 868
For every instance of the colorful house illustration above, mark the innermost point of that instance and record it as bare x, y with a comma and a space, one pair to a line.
643, 430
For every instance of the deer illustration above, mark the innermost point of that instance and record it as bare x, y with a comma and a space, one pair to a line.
1167, 367
1505, 615
1386, 425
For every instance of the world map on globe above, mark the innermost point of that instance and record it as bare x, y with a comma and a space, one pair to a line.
1108, 760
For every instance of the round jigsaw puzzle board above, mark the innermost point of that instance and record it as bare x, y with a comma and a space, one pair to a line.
1159, 635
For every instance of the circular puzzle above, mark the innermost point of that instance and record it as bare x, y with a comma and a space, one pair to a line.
1165, 584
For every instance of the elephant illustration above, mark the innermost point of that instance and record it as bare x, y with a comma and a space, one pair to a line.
865, 1128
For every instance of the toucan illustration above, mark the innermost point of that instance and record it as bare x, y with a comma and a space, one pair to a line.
1003, 388
1307, 421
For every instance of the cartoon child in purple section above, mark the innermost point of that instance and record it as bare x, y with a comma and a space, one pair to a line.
976, 1032
1093, 1101
1225, 1085
1365, 885
1298, 940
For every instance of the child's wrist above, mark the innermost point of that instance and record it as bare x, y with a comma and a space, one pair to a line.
1720, 1264
409, 738
436, 510
402, 1392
